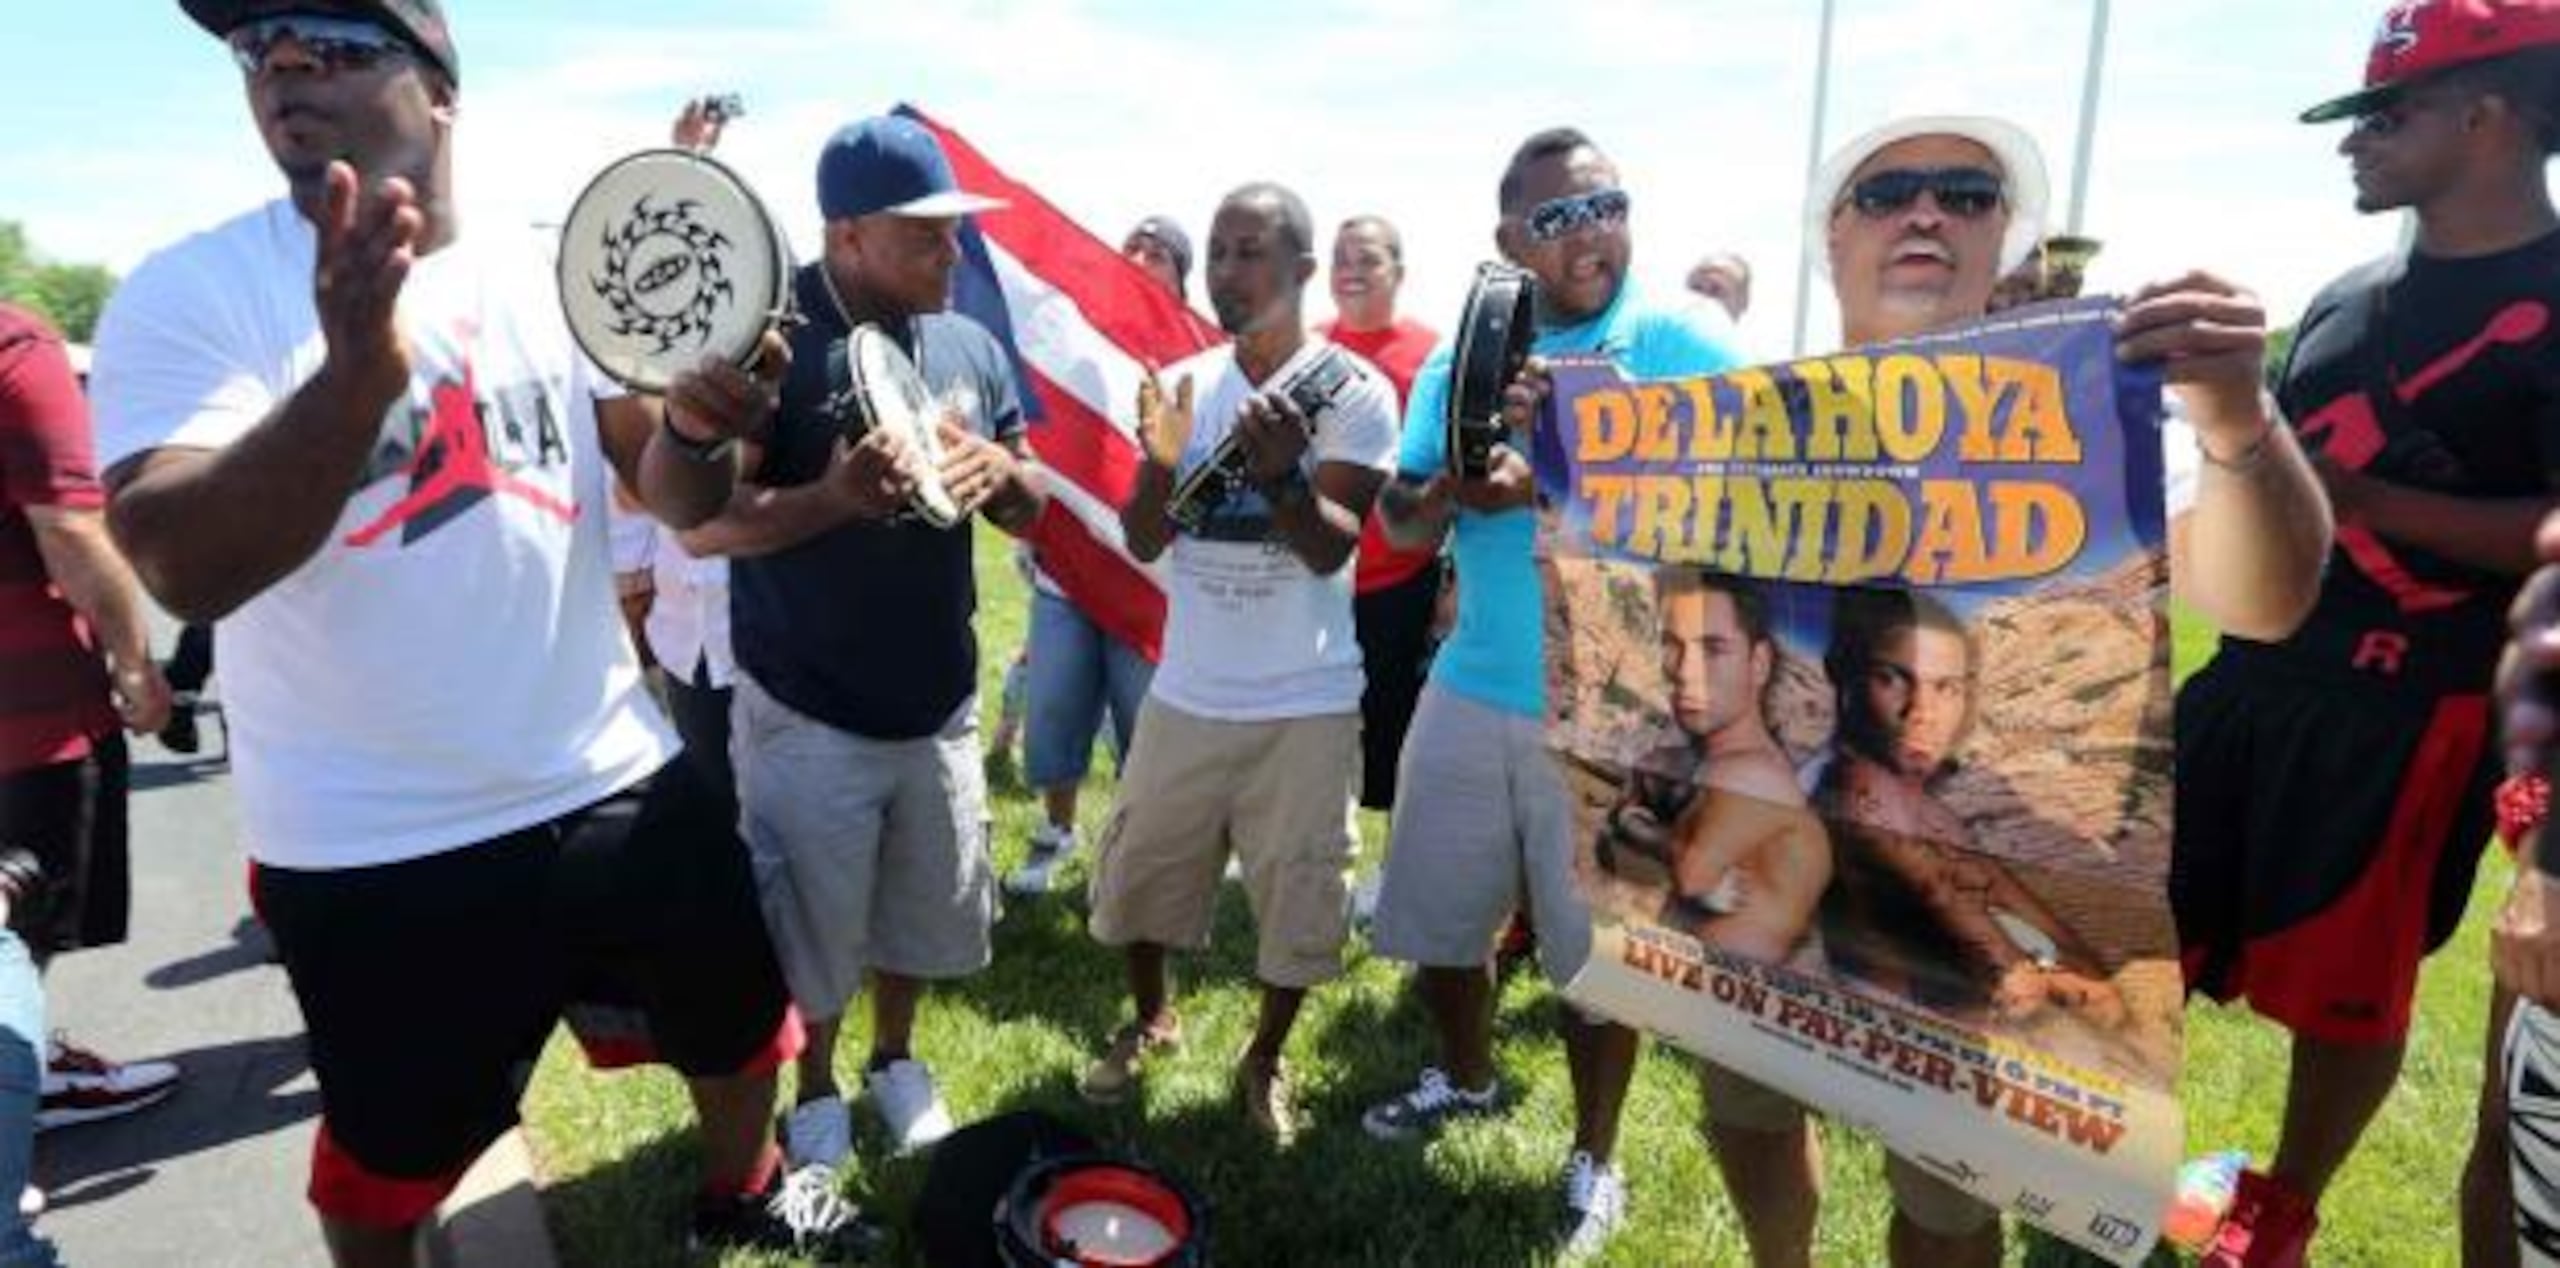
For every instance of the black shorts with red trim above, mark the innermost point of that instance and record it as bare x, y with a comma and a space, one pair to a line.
2327, 837
428, 987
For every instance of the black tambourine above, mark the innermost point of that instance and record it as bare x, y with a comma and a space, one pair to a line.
1493, 344
1208, 486
666, 257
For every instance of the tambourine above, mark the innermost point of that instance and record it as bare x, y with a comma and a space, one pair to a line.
1493, 343
1095, 1212
668, 256
1208, 486
878, 389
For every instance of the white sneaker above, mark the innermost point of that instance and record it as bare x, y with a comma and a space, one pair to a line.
31, 1203
1364, 901
1595, 1203
818, 1133
82, 1087
1051, 847
800, 1214
909, 1104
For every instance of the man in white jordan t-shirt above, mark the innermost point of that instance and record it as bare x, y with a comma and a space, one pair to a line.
1250, 736
365, 443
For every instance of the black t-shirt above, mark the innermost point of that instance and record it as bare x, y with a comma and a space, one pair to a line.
2434, 374
866, 627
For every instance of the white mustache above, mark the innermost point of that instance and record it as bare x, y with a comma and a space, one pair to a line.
1926, 248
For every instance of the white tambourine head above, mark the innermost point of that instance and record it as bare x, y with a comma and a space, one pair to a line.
668, 257
901, 403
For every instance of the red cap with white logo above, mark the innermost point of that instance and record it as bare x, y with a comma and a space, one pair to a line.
2418, 38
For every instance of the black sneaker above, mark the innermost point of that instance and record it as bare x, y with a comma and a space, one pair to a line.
801, 1214
1428, 1105
180, 736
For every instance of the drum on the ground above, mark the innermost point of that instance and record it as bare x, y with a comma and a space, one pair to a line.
1095, 1212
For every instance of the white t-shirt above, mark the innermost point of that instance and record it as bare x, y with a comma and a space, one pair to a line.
1250, 633
450, 666
631, 539
688, 625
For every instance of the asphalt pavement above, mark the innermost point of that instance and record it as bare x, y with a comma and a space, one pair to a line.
213, 1177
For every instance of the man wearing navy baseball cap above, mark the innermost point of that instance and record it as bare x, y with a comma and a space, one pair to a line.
859, 776
2335, 785
364, 443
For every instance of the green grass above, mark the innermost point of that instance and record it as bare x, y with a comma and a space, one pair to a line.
618, 1162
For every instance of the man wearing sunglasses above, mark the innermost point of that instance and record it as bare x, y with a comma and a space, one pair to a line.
463, 813
1919, 219
2361, 747
1481, 825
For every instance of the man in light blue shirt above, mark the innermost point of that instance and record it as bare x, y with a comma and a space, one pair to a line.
1482, 825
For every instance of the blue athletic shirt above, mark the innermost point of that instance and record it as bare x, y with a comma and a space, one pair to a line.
1497, 654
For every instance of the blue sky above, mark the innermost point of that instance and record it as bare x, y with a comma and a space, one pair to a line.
128, 128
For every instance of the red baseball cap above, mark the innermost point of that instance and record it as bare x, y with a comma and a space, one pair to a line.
2418, 38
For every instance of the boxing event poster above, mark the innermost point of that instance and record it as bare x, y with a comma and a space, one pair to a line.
1858, 673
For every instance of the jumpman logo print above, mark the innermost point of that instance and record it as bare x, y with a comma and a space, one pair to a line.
2355, 437
452, 470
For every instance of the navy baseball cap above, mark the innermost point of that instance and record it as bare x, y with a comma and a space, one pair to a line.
891, 164
419, 23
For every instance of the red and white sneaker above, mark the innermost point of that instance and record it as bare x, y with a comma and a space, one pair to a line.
2270, 1227
82, 1087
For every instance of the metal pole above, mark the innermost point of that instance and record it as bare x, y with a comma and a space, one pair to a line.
1812, 168
2088, 113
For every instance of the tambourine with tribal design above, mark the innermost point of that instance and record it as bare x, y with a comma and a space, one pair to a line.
1493, 343
877, 388
1209, 485
667, 257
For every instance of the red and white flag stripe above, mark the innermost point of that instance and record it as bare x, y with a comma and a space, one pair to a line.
1084, 325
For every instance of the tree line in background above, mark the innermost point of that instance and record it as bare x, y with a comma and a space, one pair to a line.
68, 295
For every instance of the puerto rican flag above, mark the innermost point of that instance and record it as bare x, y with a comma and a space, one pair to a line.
1082, 325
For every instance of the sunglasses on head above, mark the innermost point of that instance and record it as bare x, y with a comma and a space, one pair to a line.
336, 43
1557, 217
1963, 192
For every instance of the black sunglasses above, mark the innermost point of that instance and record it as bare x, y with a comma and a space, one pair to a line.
1966, 193
2393, 114
336, 43
1557, 217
